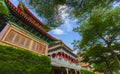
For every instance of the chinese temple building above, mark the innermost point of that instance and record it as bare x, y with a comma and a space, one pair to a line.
20, 28
64, 61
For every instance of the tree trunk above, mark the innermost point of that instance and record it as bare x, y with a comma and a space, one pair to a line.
114, 55
108, 66
105, 71
108, 69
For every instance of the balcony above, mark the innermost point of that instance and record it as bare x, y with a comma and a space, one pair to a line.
64, 63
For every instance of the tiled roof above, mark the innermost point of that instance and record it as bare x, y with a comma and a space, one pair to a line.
29, 20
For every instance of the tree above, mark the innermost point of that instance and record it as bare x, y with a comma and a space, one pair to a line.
50, 9
101, 27
83, 71
3, 8
100, 58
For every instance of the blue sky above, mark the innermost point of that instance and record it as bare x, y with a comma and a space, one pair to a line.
63, 32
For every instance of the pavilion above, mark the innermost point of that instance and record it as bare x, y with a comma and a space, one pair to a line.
64, 61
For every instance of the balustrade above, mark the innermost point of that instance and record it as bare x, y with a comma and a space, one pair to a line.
66, 63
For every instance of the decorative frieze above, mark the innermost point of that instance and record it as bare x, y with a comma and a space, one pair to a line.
19, 39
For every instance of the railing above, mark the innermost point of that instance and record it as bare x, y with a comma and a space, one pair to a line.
65, 63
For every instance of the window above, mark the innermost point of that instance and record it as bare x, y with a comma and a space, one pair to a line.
27, 43
38, 47
33, 45
10, 36
17, 39
22, 41
44, 50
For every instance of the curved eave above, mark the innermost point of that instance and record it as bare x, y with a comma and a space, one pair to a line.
64, 46
28, 20
71, 53
30, 14
60, 44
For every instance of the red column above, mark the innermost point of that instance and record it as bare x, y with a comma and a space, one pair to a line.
61, 54
56, 54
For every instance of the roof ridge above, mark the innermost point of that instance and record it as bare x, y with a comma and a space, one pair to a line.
26, 18
26, 10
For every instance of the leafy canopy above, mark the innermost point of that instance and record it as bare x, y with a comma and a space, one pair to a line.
50, 9
101, 27
100, 58
3, 8
83, 71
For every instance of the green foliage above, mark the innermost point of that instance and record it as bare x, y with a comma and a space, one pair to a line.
86, 71
100, 58
96, 58
3, 8
20, 61
46, 9
102, 26
49, 9
100, 68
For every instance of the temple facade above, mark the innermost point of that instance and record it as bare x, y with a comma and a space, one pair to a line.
64, 61
20, 28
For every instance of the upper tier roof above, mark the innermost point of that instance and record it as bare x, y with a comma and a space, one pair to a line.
18, 13
27, 12
59, 43
53, 46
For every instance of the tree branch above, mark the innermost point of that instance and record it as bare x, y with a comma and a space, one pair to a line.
102, 37
112, 38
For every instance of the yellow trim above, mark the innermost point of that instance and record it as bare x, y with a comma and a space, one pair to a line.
5, 35
30, 47
24, 34
51, 48
46, 50
16, 46
11, 45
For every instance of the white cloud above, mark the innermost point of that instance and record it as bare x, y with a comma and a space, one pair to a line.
58, 31
115, 4
63, 11
68, 26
